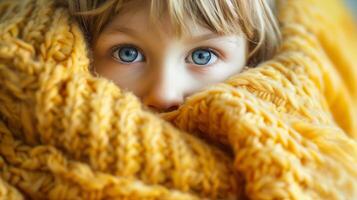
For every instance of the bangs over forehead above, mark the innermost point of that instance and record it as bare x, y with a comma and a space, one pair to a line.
222, 17
253, 19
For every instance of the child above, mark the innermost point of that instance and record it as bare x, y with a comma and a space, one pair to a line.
163, 50
284, 130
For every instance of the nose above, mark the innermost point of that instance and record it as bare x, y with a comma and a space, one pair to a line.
164, 94
163, 100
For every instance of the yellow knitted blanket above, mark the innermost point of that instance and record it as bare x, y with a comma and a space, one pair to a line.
284, 130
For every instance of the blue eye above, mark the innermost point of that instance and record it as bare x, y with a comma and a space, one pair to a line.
203, 57
127, 54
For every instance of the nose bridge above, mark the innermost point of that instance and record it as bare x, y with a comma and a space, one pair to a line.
164, 91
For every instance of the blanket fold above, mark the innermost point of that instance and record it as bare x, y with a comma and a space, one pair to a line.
284, 130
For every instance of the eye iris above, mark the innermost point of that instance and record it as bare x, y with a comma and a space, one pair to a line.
201, 57
128, 54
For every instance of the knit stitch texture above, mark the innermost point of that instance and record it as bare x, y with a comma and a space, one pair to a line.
283, 130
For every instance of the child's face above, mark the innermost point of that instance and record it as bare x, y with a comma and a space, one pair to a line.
159, 67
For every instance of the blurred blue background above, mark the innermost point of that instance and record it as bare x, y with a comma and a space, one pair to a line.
352, 4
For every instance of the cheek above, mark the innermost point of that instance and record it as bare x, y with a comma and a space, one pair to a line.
124, 76
106, 69
219, 72
230, 67
232, 64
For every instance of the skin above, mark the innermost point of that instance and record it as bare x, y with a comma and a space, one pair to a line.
165, 70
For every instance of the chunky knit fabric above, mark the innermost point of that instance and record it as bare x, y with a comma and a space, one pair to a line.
284, 130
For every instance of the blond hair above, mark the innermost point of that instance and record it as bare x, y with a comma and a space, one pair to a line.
254, 18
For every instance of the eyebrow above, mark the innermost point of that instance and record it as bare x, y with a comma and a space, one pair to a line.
125, 30
129, 31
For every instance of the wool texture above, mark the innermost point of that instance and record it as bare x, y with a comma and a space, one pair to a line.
286, 129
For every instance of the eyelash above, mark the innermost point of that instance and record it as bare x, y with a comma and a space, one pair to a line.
118, 47
215, 52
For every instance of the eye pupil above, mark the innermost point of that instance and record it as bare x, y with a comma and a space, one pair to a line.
201, 57
128, 54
